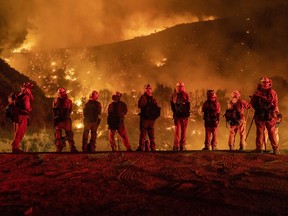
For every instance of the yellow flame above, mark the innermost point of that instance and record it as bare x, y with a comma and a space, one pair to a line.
161, 62
142, 25
78, 102
79, 125
24, 47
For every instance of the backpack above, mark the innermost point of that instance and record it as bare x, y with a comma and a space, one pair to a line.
12, 113
60, 112
91, 111
180, 105
114, 120
232, 116
152, 111
182, 109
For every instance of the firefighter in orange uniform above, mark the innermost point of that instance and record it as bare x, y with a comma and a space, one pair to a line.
91, 111
211, 110
148, 115
62, 108
265, 103
24, 104
236, 119
180, 105
116, 114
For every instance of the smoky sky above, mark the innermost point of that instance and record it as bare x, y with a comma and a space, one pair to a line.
77, 23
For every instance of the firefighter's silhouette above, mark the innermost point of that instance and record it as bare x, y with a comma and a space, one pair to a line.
24, 106
148, 115
211, 111
180, 105
62, 108
265, 103
117, 110
236, 119
91, 111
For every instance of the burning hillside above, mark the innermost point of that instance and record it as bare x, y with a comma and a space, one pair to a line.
222, 54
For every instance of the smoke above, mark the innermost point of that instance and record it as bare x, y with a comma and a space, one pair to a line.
74, 23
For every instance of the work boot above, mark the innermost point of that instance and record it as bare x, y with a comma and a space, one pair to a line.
276, 151
175, 148
206, 148
85, 147
214, 148
92, 147
60, 146
73, 149
257, 151
17, 151
153, 147
182, 148
140, 149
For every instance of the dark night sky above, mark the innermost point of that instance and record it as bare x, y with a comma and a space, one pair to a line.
77, 23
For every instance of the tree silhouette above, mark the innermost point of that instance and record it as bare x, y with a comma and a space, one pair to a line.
162, 94
105, 98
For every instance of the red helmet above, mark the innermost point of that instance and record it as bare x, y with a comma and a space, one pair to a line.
235, 94
265, 83
211, 95
116, 96
28, 85
62, 92
147, 86
180, 84
94, 95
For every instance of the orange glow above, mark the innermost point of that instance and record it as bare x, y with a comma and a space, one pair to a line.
142, 25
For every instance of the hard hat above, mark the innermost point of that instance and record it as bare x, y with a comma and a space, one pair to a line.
235, 94
28, 85
180, 84
94, 95
265, 82
62, 92
147, 86
116, 96
211, 94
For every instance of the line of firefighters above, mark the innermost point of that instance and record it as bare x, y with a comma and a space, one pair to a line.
264, 101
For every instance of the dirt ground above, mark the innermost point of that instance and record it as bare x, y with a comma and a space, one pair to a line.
150, 183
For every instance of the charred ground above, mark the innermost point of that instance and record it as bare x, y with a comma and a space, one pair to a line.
134, 183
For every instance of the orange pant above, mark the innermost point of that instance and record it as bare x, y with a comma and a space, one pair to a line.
260, 133
241, 128
180, 139
211, 131
89, 127
146, 126
123, 134
67, 127
20, 129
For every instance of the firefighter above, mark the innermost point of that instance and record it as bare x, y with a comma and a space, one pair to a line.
24, 104
117, 110
148, 115
11, 110
91, 111
211, 110
180, 105
235, 117
62, 108
265, 103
